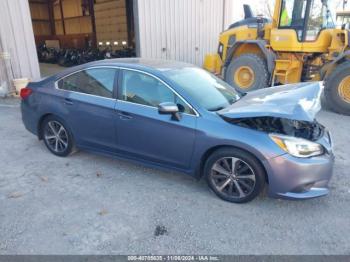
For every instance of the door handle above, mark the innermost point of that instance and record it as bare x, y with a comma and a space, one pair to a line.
67, 101
124, 116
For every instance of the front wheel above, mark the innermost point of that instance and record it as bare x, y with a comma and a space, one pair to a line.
234, 175
337, 89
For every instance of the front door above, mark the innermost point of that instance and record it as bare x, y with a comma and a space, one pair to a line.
143, 132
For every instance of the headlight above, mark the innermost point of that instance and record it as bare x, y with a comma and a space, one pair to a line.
298, 147
220, 50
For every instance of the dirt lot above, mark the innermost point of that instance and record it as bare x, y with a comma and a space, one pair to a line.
88, 204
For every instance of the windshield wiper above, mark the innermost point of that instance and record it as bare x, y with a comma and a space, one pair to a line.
230, 102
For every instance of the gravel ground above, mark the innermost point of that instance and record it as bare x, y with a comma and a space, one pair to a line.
88, 204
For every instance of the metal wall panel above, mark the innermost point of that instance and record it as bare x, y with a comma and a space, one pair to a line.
17, 42
234, 9
111, 22
182, 30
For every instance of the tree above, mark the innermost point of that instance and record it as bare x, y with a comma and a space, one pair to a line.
266, 8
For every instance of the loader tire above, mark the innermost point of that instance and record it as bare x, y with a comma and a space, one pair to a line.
247, 72
337, 89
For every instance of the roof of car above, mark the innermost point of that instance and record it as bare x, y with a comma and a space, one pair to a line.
157, 64
144, 64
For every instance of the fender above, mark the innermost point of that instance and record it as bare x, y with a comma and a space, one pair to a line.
201, 160
268, 55
328, 68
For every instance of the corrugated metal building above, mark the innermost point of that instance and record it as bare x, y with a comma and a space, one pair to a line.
168, 29
17, 47
182, 29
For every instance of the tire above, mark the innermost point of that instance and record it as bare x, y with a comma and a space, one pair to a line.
57, 136
246, 167
250, 64
334, 100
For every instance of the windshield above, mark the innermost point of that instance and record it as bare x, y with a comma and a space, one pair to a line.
209, 91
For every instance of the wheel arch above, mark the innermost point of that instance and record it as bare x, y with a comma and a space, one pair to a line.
337, 98
252, 46
40, 122
329, 68
46, 115
259, 157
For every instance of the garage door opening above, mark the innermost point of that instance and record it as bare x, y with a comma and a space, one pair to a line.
73, 32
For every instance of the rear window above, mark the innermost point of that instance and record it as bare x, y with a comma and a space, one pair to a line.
96, 81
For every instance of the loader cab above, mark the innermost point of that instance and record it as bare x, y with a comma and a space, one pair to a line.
301, 25
343, 19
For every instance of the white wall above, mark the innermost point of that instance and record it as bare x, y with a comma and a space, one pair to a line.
185, 30
235, 12
182, 30
17, 41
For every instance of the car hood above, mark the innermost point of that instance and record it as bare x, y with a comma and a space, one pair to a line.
294, 101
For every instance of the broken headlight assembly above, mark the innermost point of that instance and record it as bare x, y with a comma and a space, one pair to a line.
297, 147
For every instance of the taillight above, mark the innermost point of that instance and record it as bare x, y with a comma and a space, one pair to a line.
25, 92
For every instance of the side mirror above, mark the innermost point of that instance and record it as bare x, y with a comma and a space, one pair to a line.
169, 108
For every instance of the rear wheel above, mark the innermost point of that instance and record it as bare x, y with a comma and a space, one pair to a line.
337, 89
234, 175
247, 72
56, 136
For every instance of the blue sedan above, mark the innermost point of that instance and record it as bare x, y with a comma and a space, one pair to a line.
177, 116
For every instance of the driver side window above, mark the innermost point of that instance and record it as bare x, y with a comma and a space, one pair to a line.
144, 89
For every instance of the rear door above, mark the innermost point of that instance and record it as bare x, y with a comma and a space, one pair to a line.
89, 101
142, 131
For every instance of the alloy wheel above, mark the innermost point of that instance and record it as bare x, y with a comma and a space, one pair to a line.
56, 136
233, 177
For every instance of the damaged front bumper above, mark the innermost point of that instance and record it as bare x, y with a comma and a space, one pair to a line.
301, 178
297, 178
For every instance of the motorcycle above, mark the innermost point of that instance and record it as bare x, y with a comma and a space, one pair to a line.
47, 55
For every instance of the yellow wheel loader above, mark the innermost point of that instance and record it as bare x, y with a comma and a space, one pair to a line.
300, 43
